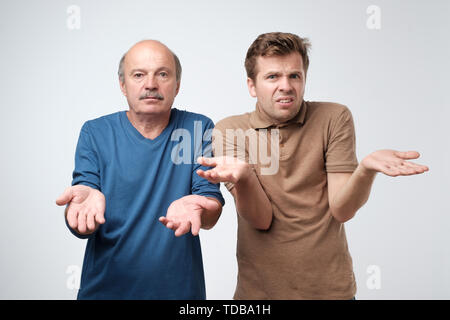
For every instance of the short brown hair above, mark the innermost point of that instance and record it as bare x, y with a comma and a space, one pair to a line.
276, 44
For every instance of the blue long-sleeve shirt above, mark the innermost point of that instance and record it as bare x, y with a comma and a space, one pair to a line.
133, 255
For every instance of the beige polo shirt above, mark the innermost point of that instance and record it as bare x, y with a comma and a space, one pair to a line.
304, 254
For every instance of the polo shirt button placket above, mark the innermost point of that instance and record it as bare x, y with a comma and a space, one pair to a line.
281, 139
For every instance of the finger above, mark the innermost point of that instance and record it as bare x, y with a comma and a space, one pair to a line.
168, 223
201, 173
65, 197
182, 229
208, 162
196, 224
82, 222
418, 167
406, 168
407, 154
163, 220
214, 175
173, 225
207, 175
72, 218
413, 168
209, 203
406, 171
100, 217
90, 221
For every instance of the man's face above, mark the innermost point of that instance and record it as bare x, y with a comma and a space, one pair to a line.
149, 81
279, 86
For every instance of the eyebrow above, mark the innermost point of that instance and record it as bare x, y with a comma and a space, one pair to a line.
135, 70
145, 71
278, 72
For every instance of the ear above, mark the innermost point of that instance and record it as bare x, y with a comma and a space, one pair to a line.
123, 87
178, 87
251, 87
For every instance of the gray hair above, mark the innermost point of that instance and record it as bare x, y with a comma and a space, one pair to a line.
177, 67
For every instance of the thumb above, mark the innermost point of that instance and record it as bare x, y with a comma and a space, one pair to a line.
209, 204
407, 154
65, 197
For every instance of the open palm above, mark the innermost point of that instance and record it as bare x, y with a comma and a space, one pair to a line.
393, 163
86, 208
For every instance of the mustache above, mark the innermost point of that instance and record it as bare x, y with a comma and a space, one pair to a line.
151, 94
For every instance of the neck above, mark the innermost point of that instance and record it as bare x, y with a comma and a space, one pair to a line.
149, 125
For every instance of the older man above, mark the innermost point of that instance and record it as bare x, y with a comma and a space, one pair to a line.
127, 176
291, 238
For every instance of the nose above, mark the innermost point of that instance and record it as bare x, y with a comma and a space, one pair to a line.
151, 83
285, 85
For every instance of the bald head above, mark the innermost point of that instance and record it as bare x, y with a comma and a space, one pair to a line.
152, 46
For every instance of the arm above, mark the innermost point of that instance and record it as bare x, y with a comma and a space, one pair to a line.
203, 207
347, 192
85, 203
258, 211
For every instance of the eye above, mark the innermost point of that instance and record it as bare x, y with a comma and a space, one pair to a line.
295, 76
163, 74
272, 76
138, 75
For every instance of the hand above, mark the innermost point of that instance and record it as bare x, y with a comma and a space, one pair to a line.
185, 214
226, 169
393, 163
86, 208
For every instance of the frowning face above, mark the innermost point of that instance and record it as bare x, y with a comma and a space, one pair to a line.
279, 86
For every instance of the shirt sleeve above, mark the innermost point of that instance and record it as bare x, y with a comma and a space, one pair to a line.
340, 155
87, 169
201, 186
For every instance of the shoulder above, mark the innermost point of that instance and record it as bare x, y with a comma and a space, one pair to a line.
100, 123
188, 115
327, 114
326, 109
234, 122
187, 118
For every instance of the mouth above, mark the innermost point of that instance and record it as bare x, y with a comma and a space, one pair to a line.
285, 101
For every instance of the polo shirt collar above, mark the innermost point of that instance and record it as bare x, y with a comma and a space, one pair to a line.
258, 120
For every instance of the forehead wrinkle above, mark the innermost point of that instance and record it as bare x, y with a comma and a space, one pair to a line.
148, 56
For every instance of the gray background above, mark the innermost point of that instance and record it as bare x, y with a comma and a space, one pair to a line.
394, 80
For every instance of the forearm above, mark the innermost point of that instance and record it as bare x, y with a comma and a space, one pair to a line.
353, 195
252, 203
209, 217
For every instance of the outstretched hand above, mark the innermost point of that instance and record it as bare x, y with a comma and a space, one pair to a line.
184, 214
225, 169
86, 208
393, 163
